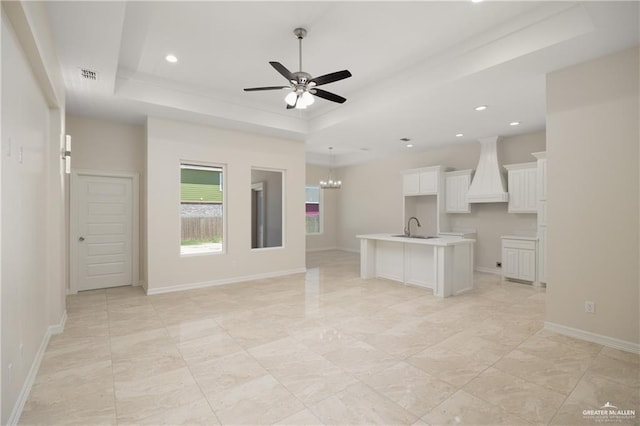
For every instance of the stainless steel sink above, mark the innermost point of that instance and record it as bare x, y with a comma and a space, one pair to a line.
422, 237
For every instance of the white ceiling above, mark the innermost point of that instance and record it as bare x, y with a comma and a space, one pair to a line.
419, 68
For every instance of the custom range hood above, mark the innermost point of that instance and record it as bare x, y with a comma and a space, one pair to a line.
488, 185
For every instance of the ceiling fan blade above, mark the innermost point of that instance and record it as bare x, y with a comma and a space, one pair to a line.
330, 78
255, 89
283, 70
328, 96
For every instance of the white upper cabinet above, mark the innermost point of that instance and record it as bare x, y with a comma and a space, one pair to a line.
522, 182
456, 188
423, 181
411, 184
429, 182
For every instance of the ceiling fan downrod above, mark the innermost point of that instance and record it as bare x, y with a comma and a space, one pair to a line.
300, 33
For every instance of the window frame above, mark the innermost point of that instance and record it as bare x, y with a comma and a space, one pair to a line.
223, 188
320, 210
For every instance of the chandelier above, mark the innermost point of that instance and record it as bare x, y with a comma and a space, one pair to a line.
330, 183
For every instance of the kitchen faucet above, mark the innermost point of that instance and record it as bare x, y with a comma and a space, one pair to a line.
407, 231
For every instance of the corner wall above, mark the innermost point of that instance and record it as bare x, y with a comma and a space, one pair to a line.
593, 208
32, 197
169, 143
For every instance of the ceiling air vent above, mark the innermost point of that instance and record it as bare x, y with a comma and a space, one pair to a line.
88, 74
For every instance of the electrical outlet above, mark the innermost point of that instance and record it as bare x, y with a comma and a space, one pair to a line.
590, 307
498, 264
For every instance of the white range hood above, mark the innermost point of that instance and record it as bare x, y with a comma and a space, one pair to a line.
488, 185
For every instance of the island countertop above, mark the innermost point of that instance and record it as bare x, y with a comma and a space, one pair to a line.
435, 241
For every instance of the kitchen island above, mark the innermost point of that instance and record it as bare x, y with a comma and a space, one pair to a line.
443, 264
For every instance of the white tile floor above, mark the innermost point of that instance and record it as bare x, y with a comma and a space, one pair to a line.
324, 347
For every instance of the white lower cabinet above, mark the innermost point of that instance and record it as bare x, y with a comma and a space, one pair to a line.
519, 258
510, 262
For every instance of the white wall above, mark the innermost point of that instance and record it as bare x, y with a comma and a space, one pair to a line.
371, 196
593, 224
329, 199
109, 146
169, 143
32, 199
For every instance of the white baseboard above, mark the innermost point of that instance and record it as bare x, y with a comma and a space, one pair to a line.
313, 250
333, 249
494, 271
350, 250
204, 284
59, 328
33, 371
611, 342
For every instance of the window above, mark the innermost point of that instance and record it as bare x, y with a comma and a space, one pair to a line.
312, 211
201, 209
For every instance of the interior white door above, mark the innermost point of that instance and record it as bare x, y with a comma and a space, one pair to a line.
104, 229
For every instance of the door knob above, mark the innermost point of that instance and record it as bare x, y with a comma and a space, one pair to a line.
81, 239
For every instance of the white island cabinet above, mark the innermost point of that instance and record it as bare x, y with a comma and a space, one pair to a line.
443, 264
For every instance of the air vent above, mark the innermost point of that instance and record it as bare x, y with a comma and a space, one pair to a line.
88, 74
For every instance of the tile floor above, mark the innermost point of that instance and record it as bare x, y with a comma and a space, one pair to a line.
323, 347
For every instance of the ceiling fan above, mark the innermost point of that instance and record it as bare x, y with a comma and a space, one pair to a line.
303, 86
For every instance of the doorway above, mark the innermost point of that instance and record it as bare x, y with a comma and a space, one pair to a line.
103, 230
257, 215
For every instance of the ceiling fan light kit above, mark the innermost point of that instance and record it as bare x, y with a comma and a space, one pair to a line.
302, 85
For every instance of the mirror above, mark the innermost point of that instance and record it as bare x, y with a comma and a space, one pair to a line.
266, 208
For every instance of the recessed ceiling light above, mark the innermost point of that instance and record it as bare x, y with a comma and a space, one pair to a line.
514, 123
409, 145
171, 58
476, 1
459, 135
481, 108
